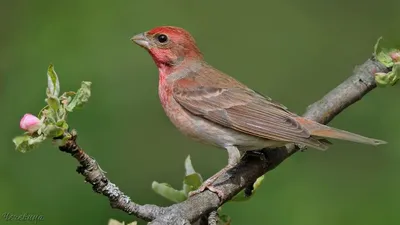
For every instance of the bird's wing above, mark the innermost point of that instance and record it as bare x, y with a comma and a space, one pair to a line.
223, 100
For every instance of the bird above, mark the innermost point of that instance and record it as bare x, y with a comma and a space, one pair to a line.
214, 108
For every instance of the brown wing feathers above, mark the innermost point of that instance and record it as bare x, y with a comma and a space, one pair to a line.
243, 110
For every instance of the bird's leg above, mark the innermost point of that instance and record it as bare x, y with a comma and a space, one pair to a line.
233, 160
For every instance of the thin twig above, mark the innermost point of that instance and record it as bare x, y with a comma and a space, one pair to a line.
213, 218
94, 175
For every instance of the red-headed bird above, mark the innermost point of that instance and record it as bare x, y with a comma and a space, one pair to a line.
212, 107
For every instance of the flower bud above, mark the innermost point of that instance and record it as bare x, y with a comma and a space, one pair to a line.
30, 123
395, 56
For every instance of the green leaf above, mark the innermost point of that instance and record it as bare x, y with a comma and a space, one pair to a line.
41, 111
68, 94
258, 183
51, 117
382, 51
26, 143
53, 84
36, 140
385, 58
168, 192
188, 166
62, 113
53, 131
53, 102
66, 97
116, 222
62, 124
241, 196
81, 97
19, 141
376, 46
390, 78
192, 182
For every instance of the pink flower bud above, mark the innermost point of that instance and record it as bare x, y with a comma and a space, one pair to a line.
30, 123
395, 56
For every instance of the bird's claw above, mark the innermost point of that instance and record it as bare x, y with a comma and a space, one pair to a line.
217, 191
198, 191
210, 187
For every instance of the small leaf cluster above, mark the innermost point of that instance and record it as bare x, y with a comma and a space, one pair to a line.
390, 57
53, 116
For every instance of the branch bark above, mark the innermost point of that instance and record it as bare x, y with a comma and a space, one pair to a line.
94, 175
350, 91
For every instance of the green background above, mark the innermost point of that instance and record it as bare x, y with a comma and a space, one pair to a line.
293, 51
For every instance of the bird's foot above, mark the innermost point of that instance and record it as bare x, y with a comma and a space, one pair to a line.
208, 184
234, 157
217, 191
210, 187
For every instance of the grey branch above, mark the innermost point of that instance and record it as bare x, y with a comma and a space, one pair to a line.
94, 175
201, 205
213, 218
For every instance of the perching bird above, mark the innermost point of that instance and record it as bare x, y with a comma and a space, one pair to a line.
214, 108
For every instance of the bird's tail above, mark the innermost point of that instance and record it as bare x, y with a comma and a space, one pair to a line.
320, 130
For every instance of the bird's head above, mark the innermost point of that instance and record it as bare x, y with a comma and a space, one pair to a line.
169, 46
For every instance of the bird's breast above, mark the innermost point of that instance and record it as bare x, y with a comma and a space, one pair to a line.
183, 120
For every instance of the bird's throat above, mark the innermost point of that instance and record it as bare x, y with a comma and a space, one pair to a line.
163, 87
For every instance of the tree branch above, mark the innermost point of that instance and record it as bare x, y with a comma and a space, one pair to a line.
249, 169
93, 174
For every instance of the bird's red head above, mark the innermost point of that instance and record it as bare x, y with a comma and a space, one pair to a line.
169, 46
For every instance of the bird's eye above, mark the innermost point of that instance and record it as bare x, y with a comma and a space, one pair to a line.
162, 38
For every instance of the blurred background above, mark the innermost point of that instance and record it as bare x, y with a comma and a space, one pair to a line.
293, 51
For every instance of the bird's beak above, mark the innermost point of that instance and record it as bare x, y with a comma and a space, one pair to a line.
141, 40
